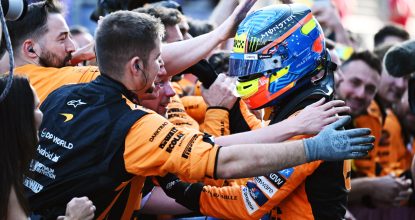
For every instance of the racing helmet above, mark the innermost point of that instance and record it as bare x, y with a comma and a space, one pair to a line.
277, 49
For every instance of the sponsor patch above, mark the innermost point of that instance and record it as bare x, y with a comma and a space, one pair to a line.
188, 147
276, 179
174, 142
220, 196
32, 185
167, 138
76, 103
256, 194
250, 56
250, 204
158, 131
287, 172
50, 155
265, 186
63, 143
39, 167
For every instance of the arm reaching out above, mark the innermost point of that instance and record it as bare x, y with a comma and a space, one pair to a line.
178, 56
330, 144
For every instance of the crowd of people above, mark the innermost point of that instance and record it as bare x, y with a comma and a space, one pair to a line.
257, 114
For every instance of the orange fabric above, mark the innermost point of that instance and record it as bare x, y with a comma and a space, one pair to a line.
374, 110
216, 122
393, 156
154, 147
367, 166
198, 89
47, 79
252, 121
177, 115
195, 107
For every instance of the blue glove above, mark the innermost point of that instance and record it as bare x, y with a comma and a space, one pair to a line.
332, 144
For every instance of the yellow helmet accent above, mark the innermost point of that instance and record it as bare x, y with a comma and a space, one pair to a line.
247, 89
308, 27
279, 74
239, 43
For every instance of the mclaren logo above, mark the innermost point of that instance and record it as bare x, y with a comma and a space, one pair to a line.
67, 116
75, 103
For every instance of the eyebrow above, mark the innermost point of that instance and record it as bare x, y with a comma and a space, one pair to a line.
63, 33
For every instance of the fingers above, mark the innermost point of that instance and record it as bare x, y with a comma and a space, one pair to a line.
357, 132
362, 140
318, 103
338, 110
364, 148
341, 122
332, 104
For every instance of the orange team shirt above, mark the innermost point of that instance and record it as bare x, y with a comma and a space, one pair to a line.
367, 166
393, 155
47, 79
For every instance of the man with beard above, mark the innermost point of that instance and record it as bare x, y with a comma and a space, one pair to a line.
41, 39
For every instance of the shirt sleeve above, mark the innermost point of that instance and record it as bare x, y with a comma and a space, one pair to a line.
154, 147
253, 198
216, 122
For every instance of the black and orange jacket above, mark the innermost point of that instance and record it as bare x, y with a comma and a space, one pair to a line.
94, 144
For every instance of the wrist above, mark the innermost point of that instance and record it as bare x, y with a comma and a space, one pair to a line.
307, 150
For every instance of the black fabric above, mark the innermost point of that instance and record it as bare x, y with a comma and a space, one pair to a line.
237, 123
186, 194
204, 72
87, 150
326, 191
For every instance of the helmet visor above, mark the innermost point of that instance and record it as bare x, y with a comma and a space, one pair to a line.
249, 63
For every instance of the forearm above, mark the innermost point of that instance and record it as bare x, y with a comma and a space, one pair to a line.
239, 161
160, 203
178, 56
222, 11
286, 129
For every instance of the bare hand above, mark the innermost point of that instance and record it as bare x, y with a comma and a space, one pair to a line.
229, 26
394, 190
314, 117
220, 93
79, 208
83, 54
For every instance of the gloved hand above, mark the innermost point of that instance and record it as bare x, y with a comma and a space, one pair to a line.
332, 144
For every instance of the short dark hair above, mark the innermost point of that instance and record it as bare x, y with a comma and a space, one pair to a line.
199, 27
381, 51
18, 140
33, 24
123, 35
390, 30
78, 29
368, 57
167, 16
